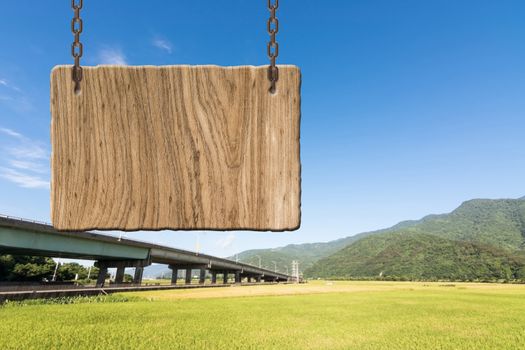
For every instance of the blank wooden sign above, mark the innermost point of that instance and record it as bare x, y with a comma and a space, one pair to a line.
175, 147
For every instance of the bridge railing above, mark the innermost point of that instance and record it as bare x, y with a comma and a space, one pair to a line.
23, 219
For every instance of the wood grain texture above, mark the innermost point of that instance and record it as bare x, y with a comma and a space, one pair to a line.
175, 147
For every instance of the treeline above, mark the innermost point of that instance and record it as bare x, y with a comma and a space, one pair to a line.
17, 268
414, 256
412, 279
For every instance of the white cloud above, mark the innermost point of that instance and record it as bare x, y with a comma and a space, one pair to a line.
28, 150
23, 161
17, 101
227, 241
112, 56
5, 83
163, 44
25, 165
22, 179
11, 133
13, 97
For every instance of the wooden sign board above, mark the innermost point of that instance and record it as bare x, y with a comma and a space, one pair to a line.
175, 147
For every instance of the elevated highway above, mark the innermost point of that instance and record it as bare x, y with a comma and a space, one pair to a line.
25, 237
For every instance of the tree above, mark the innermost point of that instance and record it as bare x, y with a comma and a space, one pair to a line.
7, 264
25, 268
68, 272
128, 278
36, 269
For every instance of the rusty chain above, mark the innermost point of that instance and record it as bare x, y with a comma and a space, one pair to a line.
273, 45
76, 46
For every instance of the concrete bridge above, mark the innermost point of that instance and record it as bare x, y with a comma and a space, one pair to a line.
24, 237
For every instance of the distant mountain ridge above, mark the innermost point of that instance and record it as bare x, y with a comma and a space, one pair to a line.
482, 239
418, 256
307, 253
495, 227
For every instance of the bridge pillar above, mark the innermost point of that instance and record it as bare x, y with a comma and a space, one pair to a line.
137, 279
101, 279
174, 273
249, 279
225, 277
119, 277
237, 276
188, 275
258, 279
213, 277
121, 265
202, 276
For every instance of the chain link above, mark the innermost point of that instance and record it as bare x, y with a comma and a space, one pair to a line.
76, 47
272, 48
273, 45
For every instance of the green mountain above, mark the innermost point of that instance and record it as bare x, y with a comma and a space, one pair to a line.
497, 225
418, 256
307, 253
481, 239
500, 223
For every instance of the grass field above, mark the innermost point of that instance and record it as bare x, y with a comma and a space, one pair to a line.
319, 315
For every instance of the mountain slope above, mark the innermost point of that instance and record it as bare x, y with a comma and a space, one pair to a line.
410, 255
481, 239
307, 253
499, 224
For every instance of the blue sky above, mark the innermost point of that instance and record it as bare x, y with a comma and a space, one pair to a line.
408, 107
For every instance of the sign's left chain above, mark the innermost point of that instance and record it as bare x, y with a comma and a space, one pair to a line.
76, 47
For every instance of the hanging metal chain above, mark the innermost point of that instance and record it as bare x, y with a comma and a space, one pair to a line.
273, 45
76, 47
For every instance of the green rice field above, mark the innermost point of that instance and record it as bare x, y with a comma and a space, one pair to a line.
317, 315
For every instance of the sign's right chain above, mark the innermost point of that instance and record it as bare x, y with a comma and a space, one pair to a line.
273, 45
76, 47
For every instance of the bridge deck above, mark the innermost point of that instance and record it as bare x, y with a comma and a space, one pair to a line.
18, 236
